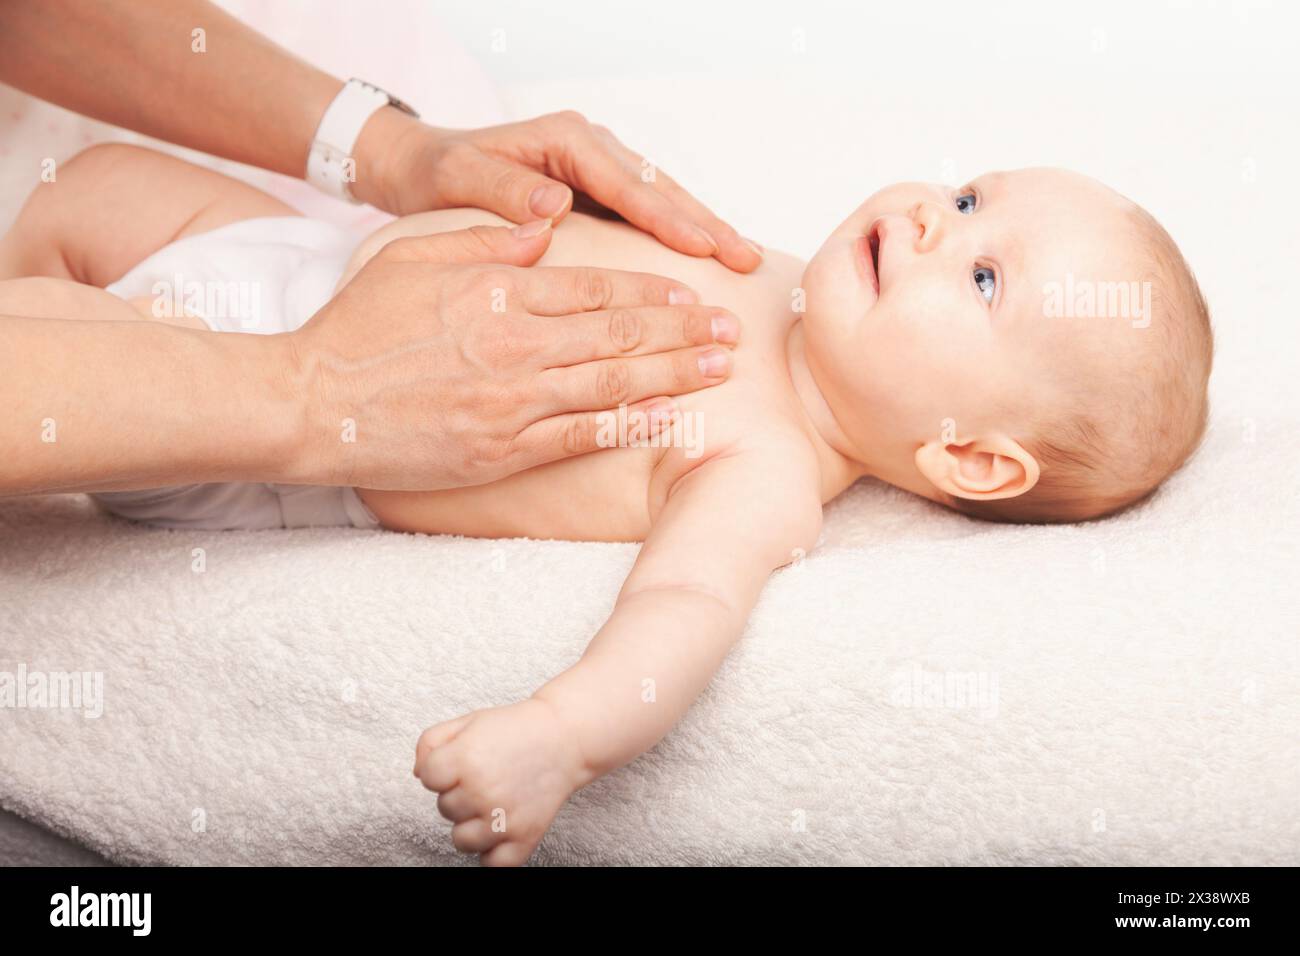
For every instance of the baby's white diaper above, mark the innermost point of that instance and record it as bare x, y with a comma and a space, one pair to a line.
259, 276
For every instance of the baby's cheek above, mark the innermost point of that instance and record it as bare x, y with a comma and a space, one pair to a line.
913, 345
926, 317
816, 293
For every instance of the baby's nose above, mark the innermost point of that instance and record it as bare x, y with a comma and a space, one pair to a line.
927, 218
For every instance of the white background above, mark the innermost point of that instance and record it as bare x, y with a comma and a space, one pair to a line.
1189, 107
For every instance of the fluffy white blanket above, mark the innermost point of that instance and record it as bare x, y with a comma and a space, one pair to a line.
921, 689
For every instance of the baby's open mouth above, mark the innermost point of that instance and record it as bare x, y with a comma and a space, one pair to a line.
873, 243
869, 249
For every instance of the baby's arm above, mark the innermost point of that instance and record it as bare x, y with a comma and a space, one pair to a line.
726, 527
504, 773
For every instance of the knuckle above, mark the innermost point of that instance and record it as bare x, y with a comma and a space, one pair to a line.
624, 329
491, 283
481, 237
579, 435
570, 118
595, 290
485, 456
654, 290
613, 383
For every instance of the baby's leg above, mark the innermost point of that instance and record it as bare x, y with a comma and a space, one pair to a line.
113, 205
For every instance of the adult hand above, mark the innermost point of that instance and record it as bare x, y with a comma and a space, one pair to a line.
433, 369
524, 171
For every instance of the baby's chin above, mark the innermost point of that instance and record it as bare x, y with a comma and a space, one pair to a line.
840, 288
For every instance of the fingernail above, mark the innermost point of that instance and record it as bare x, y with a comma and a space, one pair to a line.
530, 229
725, 329
755, 246
682, 296
707, 238
548, 200
713, 363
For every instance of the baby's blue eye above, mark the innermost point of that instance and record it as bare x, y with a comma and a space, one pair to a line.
985, 281
965, 203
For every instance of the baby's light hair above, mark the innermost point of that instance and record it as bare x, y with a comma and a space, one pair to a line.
1096, 458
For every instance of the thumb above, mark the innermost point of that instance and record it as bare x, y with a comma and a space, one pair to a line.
512, 191
513, 246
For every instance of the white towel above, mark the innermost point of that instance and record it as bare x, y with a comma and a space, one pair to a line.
921, 689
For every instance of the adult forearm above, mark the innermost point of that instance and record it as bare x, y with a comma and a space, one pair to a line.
241, 96
118, 405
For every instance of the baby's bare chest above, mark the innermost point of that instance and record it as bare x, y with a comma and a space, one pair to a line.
612, 495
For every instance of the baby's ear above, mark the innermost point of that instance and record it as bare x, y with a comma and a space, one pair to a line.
988, 467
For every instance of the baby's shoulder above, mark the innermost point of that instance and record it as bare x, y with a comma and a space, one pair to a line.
772, 461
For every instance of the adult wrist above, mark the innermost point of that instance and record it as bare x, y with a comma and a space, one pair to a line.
275, 425
380, 153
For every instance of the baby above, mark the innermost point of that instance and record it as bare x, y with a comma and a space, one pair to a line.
1028, 347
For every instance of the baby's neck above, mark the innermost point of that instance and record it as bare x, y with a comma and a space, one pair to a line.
835, 458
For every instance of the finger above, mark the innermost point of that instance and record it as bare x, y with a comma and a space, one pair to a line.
613, 332
608, 383
650, 211
734, 251
517, 246
440, 770
606, 176
562, 436
436, 736
456, 805
475, 836
565, 290
507, 189
653, 201
506, 854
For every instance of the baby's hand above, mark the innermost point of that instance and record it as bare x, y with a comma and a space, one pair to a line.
501, 774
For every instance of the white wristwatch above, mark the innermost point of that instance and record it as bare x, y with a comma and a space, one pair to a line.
330, 167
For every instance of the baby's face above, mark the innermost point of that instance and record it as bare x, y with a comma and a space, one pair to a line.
927, 305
